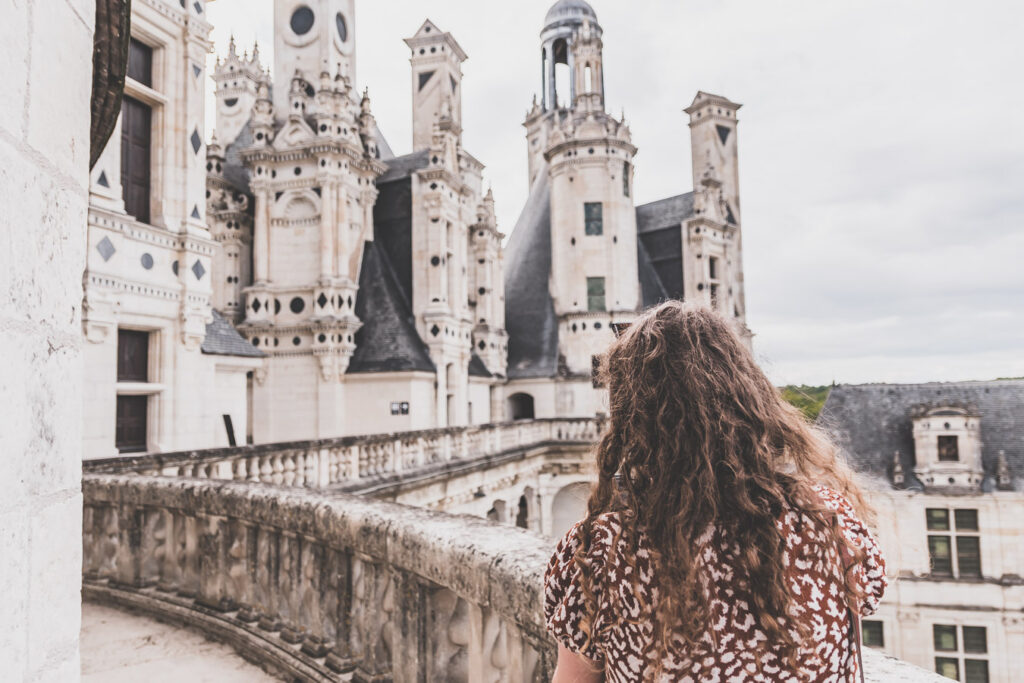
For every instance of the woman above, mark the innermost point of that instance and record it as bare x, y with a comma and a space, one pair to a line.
723, 540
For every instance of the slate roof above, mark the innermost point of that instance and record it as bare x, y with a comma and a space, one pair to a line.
477, 368
664, 213
387, 341
222, 339
873, 421
529, 310
403, 166
235, 171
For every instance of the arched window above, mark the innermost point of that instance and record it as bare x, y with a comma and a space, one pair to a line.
588, 78
562, 77
520, 406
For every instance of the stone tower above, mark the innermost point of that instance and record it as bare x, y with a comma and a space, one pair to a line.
436, 82
588, 157
237, 80
311, 36
713, 253
313, 162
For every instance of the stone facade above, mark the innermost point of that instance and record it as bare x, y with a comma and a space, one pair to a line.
583, 255
44, 181
944, 463
375, 281
151, 259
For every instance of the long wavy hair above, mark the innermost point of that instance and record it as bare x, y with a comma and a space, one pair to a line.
699, 438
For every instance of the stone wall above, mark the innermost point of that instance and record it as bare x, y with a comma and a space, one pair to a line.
44, 164
330, 588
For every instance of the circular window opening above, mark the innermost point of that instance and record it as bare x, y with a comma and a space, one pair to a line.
302, 21
297, 305
231, 101
339, 20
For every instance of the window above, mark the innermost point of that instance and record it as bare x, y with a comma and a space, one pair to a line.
130, 432
625, 178
399, 408
713, 268
595, 371
594, 221
949, 450
140, 62
872, 633
595, 294
974, 641
965, 537
132, 356
136, 134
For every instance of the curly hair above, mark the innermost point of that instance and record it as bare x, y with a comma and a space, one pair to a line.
697, 437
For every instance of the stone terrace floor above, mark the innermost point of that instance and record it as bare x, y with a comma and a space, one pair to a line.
120, 647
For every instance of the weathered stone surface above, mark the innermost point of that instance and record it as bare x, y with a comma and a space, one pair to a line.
341, 583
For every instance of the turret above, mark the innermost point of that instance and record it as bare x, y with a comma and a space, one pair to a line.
436, 82
237, 80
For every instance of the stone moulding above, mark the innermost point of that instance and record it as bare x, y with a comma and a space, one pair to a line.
321, 588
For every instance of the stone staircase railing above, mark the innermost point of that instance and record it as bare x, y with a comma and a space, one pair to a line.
325, 462
332, 587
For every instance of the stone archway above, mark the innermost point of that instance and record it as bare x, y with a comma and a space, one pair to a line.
520, 406
568, 507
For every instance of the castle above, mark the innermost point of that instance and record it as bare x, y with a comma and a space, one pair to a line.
292, 278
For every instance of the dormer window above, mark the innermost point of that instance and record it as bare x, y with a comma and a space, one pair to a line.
947, 448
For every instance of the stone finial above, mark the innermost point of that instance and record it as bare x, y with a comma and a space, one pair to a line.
898, 478
255, 52
232, 51
1004, 482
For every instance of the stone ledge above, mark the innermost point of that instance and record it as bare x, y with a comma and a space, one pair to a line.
416, 574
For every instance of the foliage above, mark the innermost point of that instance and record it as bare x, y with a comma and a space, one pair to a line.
808, 399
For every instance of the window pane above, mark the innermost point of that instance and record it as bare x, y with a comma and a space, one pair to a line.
968, 556
938, 519
940, 555
595, 294
975, 671
944, 666
593, 217
975, 639
625, 178
948, 449
130, 428
945, 637
140, 62
873, 634
132, 356
966, 520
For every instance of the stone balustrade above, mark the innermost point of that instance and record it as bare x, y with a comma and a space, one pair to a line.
332, 587
325, 462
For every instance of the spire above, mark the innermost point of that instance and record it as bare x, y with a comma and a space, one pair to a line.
232, 52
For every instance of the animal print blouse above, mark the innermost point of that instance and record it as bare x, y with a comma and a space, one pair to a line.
741, 654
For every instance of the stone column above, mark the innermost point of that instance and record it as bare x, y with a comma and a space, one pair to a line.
44, 184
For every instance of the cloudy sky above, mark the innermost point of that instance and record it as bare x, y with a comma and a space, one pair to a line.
881, 155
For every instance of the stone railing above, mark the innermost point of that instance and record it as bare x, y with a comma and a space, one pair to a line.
325, 462
332, 588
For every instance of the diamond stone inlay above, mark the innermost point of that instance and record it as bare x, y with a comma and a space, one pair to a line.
322, 300
197, 141
106, 248
198, 270
435, 330
256, 305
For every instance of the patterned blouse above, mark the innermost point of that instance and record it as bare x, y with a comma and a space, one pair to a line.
741, 653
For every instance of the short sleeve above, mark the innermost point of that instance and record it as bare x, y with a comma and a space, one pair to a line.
564, 604
871, 572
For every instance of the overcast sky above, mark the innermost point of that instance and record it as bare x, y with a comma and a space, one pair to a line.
881, 155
